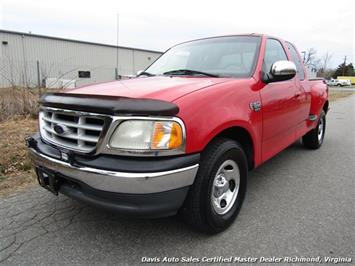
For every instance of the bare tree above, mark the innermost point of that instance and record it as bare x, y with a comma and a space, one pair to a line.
323, 70
310, 56
327, 57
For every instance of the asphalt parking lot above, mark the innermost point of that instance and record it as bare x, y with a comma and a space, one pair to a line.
350, 88
300, 203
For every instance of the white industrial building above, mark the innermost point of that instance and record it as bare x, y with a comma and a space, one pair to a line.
31, 60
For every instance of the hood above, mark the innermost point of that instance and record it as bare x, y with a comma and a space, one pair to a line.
159, 88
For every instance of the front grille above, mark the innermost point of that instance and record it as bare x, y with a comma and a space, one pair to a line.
72, 130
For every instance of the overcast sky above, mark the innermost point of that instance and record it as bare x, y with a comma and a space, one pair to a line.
324, 25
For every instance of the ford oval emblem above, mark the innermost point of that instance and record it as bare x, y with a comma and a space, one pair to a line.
60, 129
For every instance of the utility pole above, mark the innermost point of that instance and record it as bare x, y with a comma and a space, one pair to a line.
344, 66
117, 51
24, 62
39, 80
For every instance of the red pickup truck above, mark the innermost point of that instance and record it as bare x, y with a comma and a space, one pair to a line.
182, 136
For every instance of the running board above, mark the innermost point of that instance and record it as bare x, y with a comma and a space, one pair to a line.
312, 117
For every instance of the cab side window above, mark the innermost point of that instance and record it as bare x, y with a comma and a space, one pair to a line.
273, 52
297, 60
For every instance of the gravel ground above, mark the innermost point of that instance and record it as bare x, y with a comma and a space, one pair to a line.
300, 203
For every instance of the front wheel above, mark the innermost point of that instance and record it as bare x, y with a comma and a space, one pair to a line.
314, 138
218, 192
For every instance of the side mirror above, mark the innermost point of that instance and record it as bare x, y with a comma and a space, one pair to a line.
139, 72
281, 70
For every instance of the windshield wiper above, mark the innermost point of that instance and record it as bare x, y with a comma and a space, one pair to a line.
189, 72
145, 74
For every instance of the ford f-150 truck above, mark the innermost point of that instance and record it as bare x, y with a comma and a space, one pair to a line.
182, 136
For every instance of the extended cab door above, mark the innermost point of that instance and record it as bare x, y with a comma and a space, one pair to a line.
280, 105
304, 92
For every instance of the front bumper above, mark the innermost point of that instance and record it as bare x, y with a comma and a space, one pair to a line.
151, 193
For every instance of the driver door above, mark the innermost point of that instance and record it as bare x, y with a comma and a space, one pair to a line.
279, 105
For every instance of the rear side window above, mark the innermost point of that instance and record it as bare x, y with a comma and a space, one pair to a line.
273, 52
296, 59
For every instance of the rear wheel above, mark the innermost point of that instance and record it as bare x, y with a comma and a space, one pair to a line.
314, 138
218, 192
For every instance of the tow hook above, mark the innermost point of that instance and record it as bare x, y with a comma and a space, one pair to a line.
31, 142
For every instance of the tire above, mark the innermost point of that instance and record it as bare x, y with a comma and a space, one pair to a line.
314, 138
215, 199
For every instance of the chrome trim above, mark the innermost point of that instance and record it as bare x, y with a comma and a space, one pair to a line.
283, 68
120, 182
110, 124
106, 118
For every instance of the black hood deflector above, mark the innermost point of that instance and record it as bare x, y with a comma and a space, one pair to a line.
111, 105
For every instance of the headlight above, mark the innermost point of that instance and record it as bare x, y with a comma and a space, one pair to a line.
145, 135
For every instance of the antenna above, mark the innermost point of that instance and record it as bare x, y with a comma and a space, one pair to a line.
117, 50
344, 66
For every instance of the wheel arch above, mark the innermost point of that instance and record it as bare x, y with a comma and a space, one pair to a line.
326, 106
243, 137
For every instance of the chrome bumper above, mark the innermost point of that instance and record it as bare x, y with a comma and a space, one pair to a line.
135, 183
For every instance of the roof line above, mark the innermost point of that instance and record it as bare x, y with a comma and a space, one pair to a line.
222, 36
76, 41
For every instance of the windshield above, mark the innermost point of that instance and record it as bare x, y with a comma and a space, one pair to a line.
233, 56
